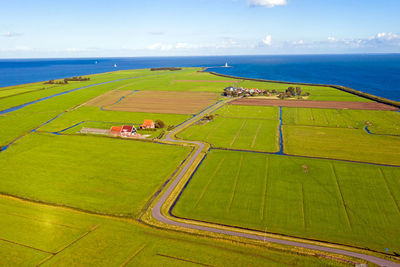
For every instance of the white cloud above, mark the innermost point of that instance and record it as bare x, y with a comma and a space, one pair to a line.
331, 39
160, 46
22, 48
267, 40
11, 34
267, 3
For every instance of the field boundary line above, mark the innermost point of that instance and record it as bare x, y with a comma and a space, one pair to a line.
266, 175
389, 189
238, 133
133, 255
303, 206
68, 245
255, 136
185, 260
212, 130
209, 182
235, 183
36, 219
26, 246
341, 195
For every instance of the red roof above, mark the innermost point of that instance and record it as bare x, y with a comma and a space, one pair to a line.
115, 129
147, 123
127, 128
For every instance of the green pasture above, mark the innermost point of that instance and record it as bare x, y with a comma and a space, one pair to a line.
341, 143
348, 203
33, 234
236, 133
381, 122
253, 112
17, 123
99, 174
95, 114
321, 93
170, 82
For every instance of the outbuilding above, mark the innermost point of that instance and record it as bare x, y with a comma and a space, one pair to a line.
115, 130
147, 124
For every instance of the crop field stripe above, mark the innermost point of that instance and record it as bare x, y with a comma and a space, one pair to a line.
340, 193
213, 130
238, 133
303, 207
255, 136
38, 220
133, 255
209, 182
266, 173
235, 182
181, 259
26, 246
389, 189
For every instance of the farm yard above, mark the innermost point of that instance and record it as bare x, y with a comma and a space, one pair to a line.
69, 196
165, 102
311, 198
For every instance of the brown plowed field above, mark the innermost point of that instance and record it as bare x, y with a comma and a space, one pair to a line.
313, 104
107, 98
205, 81
166, 102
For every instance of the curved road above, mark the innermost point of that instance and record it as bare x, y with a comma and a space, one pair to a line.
156, 212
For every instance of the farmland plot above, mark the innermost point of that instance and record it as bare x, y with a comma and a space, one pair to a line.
311, 198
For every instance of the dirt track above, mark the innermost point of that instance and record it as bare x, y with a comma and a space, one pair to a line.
314, 104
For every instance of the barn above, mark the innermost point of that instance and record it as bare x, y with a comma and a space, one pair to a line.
116, 130
147, 124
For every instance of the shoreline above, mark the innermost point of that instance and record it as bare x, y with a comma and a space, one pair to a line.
338, 87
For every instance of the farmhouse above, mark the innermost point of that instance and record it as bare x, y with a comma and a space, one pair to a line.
147, 124
128, 130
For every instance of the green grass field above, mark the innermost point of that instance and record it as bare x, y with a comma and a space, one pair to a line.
236, 133
239, 127
32, 234
100, 174
348, 203
340, 143
381, 122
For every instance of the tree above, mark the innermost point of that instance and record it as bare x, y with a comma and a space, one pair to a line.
290, 91
298, 90
281, 96
159, 124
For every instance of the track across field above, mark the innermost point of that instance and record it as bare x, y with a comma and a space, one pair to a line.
314, 104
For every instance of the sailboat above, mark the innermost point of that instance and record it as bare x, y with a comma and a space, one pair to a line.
115, 65
226, 65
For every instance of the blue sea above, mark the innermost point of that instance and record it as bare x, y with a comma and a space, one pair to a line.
372, 73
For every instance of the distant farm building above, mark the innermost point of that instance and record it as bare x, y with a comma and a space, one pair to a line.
128, 130
125, 131
115, 130
147, 124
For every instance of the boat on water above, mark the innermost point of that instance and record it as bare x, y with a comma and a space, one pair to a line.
115, 65
226, 65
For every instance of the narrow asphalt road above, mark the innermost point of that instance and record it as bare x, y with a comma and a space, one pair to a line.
156, 212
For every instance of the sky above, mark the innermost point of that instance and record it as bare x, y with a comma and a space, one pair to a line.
132, 28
